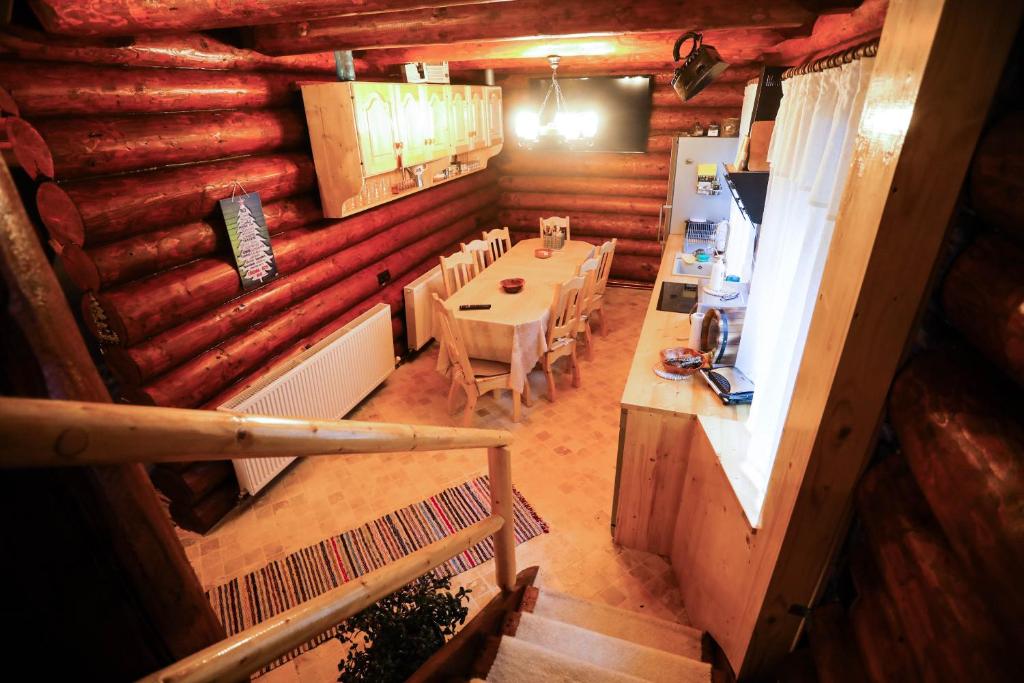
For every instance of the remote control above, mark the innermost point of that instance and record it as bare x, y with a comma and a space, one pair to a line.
474, 307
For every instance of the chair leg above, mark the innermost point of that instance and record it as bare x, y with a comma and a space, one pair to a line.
516, 400
467, 415
604, 323
451, 396
551, 380
575, 368
589, 337
527, 398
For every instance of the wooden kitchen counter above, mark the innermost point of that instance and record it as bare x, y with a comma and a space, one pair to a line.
662, 423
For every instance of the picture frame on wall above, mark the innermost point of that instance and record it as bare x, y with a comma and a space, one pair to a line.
250, 239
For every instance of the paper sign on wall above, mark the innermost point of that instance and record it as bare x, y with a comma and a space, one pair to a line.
250, 239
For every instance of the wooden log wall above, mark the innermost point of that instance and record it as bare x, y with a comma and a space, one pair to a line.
610, 195
938, 563
133, 147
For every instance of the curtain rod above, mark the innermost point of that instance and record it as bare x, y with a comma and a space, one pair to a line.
868, 49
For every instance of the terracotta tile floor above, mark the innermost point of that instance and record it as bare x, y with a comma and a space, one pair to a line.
564, 463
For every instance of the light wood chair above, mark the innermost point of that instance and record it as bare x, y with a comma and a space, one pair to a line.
548, 225
457, 270
474, 376
499, 240
604, 255
480, 251
563, 327
588, 271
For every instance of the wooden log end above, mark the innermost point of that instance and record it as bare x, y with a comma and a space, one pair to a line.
96, 320
121, 364
60, 215
80, 267
7, 104
31, 151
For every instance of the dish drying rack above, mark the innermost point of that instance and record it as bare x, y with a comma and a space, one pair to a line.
700, 235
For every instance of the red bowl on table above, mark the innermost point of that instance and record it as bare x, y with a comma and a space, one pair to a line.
542, 253
513, 285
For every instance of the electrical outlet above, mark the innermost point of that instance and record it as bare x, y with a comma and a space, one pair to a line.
383, 277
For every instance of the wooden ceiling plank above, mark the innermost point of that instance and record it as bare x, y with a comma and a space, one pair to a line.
523, 19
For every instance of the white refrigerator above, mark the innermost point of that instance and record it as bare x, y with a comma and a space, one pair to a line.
683, 202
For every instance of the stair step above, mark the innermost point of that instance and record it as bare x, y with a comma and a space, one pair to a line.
647, 663
519, 661
636, 628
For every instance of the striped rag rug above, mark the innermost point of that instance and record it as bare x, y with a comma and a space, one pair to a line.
306, 573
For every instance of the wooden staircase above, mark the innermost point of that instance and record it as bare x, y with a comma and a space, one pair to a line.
541, 635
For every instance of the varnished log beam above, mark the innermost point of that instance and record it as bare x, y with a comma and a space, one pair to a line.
49, 433
67, 149
949, 627
601, 164
997, 176
675, 119
132, 17
640, 49
524, 18
626, 187
606, 225
203, 376
983, 296
151, 252
634, 206
40, 89
181, 51
194, 322
959, 425
92, 212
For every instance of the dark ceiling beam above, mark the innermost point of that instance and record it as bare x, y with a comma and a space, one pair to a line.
524, 19
133, 17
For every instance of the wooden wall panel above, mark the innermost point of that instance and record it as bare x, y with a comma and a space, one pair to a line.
133, 162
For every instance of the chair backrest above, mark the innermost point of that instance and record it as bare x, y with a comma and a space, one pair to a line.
604, 255
565, 310
448, 334
457, 270
550, 225
499, 240
480, 251
588, 271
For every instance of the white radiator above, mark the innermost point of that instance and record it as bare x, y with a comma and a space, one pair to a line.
325, 382
419, 307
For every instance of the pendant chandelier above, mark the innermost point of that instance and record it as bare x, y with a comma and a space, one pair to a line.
558, 127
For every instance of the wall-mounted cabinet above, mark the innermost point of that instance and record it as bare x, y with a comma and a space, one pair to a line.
374, 142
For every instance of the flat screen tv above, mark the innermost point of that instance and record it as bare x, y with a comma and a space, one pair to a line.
622, 104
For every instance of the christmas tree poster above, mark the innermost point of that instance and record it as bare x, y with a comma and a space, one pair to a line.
250, 239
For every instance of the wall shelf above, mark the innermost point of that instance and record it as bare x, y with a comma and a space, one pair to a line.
749, 189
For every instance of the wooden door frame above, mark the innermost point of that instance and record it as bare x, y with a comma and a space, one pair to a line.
935, 75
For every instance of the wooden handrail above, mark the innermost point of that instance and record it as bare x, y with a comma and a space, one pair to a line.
246, 652
48, 433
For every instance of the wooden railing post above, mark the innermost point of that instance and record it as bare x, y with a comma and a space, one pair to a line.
499, 466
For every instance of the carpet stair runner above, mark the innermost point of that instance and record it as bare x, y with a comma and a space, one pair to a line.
561, 638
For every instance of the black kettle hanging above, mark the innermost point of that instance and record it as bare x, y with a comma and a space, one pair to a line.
702, 65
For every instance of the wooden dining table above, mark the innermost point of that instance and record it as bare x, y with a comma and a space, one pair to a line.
514, 329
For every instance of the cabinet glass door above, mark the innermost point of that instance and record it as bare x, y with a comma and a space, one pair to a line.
476, 118
495, 132
413, 125
375, 126
459, 109
438, 106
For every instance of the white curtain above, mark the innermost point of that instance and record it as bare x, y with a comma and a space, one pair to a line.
810, 154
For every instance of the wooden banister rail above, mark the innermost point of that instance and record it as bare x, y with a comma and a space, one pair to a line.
47, 433
242, 654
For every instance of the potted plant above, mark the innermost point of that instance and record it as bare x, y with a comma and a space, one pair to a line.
387, 642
